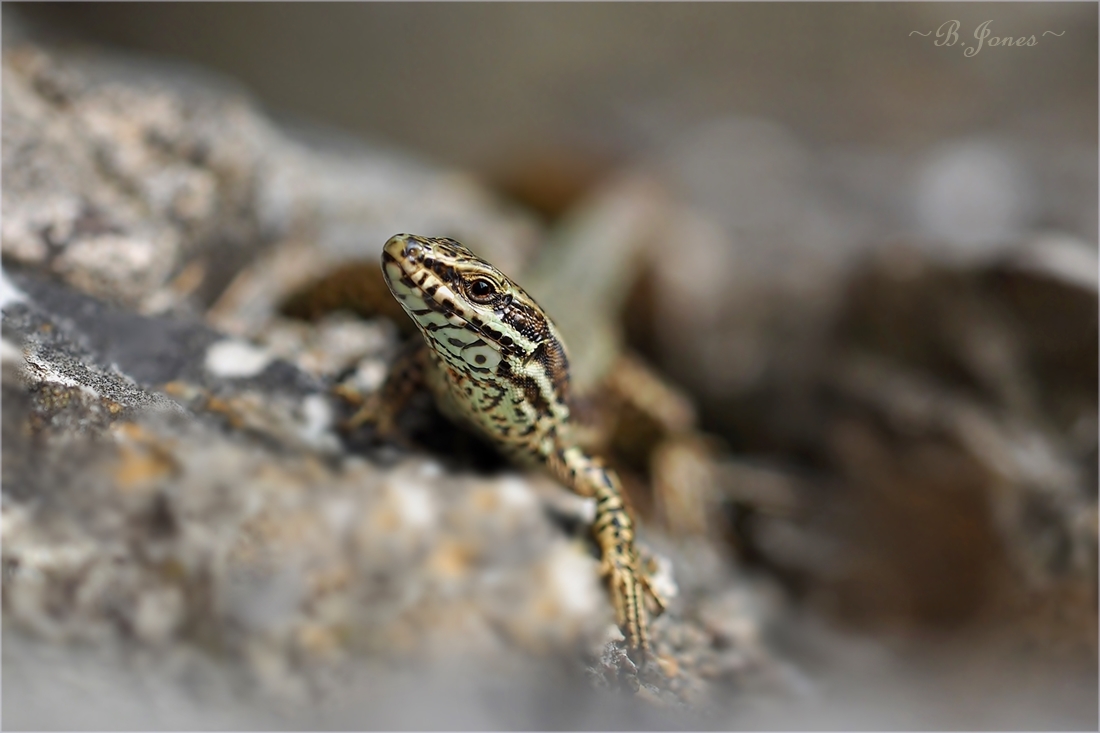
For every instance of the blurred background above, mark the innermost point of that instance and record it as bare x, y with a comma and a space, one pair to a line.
878, 285
502, 89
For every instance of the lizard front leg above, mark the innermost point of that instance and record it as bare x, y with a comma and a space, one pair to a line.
406, 377
613, 530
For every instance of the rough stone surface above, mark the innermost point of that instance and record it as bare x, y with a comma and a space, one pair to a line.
226, 518
152, 185
176, 498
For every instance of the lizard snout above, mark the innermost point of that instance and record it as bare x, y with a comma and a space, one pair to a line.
404, 246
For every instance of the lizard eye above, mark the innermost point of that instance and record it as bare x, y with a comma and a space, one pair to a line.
481, 290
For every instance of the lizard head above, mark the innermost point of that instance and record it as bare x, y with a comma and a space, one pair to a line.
465, 306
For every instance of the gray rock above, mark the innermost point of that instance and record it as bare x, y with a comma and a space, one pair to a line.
976, 195
152, 185
176, 498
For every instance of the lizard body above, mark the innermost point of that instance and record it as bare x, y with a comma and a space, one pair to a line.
495, 362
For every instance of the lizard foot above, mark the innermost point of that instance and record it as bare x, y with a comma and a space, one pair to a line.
630, 599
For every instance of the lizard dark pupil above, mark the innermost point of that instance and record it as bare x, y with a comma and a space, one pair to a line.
481, 288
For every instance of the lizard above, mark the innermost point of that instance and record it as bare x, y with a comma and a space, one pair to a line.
495, 361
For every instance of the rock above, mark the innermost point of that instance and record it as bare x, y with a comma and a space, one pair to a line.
151, 186
977, 195
176, 495
170, 525
954, 485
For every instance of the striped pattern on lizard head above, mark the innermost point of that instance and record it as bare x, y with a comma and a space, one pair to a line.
471, 311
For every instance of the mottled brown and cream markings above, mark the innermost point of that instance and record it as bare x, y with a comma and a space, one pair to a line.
500, 366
